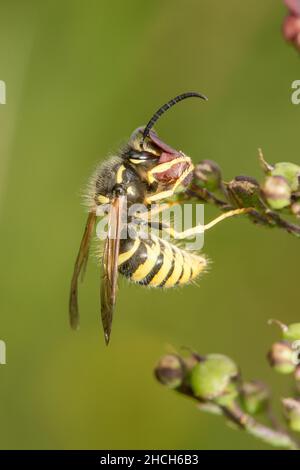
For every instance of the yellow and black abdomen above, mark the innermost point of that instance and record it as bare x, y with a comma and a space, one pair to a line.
157, 263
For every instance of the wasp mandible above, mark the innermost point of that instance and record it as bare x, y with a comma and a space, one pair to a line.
146, 171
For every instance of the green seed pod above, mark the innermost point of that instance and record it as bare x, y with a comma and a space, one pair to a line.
170, 371
290, 172
255, 397
276, 192
281, 357
292, 332
292, 413
214, 379
289, 332
207, 174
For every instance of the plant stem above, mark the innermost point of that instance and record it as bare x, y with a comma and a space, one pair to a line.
264, 433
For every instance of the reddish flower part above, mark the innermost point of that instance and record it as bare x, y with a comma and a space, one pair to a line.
291, 28
293, 6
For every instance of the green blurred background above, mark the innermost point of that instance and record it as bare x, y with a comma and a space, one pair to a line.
80, 77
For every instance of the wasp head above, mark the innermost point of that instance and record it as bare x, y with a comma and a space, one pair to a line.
147, 155
146, 151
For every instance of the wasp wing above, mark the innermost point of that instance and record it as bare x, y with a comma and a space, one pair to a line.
79, 267
110, 265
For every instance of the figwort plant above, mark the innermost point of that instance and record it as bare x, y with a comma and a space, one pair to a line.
214, 381
215, 384
269, 201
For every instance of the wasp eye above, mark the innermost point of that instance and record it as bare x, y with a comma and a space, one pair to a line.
142, 158
142, 149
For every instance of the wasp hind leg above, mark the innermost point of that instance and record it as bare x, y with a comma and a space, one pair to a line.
202, 228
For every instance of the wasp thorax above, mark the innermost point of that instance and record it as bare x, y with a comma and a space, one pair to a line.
113, 179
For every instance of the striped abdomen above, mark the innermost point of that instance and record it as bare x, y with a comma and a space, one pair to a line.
158, 263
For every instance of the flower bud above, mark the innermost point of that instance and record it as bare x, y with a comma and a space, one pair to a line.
170, 371
207, 174
290, 172
255, 396
277, 192
214, 379
292, 413
281, 357
244, 191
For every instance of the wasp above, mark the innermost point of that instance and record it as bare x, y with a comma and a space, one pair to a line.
146, 171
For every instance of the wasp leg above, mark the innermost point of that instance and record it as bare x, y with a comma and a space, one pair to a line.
158, 209
162, 167
202, 228
170, 192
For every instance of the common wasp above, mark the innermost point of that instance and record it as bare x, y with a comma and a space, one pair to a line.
146, 171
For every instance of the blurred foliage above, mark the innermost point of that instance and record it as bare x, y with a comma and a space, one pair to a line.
80, 77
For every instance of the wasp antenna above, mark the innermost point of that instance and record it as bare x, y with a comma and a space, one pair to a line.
167, 106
